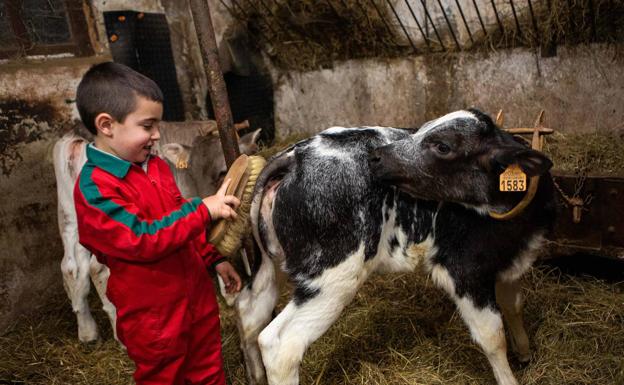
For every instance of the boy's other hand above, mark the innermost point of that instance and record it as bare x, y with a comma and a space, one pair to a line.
221, 205
229, 276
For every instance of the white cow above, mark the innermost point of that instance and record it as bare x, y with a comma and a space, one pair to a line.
204, 157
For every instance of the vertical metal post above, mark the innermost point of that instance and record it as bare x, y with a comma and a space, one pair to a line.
480, 19
425, 38
216, 84
402, 26
513, 10
448, 23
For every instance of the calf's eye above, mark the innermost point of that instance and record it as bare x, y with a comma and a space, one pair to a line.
442, 148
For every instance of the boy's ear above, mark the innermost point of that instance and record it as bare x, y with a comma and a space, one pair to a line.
532, 162
104, 123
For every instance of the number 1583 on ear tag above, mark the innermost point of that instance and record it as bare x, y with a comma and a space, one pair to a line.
513, 179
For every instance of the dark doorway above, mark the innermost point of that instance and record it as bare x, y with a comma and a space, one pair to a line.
142, 42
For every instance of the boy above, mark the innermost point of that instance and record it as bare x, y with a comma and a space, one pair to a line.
132, 216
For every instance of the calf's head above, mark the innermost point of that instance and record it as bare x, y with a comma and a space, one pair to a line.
456, 158
205, 162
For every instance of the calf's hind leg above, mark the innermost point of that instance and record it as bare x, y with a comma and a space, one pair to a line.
75, 269
99, 276
314, 308
510, 299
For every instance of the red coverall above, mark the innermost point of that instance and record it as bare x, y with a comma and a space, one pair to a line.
154, 243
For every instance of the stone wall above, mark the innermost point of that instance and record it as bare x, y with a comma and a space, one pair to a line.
580, 89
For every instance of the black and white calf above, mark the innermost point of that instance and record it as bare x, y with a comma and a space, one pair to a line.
348, 202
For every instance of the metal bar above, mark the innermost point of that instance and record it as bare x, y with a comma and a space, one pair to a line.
364, 12
402, 26
500, 25
383, 19
534, 21
549, 48
432, 24
461, 12
216, 83
479, 16
418, 25
449, 25
513, 10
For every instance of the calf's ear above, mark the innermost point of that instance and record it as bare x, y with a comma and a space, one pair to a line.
532, 162
175, 153
248, 141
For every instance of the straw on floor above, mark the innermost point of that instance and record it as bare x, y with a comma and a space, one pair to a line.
399, 330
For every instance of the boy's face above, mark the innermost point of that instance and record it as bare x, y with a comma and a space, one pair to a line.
132, 139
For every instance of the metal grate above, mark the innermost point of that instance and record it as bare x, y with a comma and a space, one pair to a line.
342, 29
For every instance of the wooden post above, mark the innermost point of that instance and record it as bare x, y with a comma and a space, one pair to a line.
216, 84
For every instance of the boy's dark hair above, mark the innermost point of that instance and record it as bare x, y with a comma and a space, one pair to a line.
112, 88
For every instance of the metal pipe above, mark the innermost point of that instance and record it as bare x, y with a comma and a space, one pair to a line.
449, 26
432, 24
500, 25
513, 10
534, 21
479, 16
418, 25
402, 26
383, 19
216, 83
461, 12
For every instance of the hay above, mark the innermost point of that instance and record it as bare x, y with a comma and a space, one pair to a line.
308, 34
399, 329
595, 153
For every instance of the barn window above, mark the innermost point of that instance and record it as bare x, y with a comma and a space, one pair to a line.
43, 27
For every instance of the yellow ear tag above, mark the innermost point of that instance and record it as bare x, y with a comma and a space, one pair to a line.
513, 179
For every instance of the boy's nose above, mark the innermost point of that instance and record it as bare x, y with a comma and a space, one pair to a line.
156, 134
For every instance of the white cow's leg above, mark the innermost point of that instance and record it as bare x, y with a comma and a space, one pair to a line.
254, 307
510, 299
75, 269
99, 276
308, 316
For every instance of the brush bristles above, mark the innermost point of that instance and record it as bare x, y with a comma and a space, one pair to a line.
240, 228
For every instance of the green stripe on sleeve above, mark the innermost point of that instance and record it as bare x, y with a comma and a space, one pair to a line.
119, 214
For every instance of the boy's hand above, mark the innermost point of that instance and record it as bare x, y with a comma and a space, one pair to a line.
221, 205
229, 276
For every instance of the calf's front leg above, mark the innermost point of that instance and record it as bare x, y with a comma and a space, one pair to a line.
482, 318
510, 299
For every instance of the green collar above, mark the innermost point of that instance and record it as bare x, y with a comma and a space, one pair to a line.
108, 162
